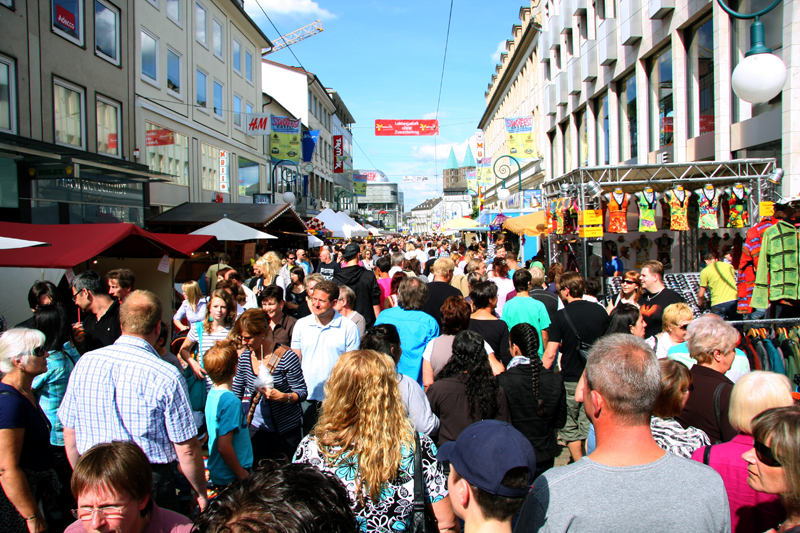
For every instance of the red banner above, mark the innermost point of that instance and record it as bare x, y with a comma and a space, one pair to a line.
159, 137
338, 155
112, 141
406, 127
65, 17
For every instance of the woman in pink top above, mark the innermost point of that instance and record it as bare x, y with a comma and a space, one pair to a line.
755, 392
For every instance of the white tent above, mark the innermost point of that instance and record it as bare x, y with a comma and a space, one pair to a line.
314, 242
226, 229
340, 224
8, 243
372, 229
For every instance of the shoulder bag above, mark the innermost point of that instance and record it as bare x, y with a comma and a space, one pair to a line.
583, 347
717, 408
271, 363
421, 522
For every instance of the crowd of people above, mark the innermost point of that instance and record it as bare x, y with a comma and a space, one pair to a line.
401, 384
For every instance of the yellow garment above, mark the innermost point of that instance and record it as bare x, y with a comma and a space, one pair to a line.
720, 277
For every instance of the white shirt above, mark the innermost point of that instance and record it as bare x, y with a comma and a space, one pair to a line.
252, 301
394, 270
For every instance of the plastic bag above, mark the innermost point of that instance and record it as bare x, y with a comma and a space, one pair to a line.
264, 379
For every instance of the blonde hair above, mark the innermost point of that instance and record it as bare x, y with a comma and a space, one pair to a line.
364, 417
192, 291
675, 313
779, 428
270, 265
754, 393
442, 266
410, 247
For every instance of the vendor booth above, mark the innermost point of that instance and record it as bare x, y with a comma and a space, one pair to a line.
341, 225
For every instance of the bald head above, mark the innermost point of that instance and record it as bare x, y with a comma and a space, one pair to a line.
140, 314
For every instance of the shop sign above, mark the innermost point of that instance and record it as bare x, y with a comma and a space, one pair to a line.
112, 141
590, 217
587, 232
479, 141
261, 199
766, 209
338, 155
257, 124
162, 137
406, 127
224, 160
65, 18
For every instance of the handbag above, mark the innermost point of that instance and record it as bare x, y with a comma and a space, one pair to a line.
421, 522
583, 347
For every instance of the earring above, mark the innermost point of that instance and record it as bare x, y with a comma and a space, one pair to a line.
210, 318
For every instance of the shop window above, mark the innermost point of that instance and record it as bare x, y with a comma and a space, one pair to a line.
602, 131
662, 110
149, 57
700, 86
237, 110
9, 188
70, 119
210, 174
106, 31
218, 99
200, 24
202, 88
174, 72
628, 124
168, 152
248, 66
68, 19
237, 56
174, 11
8, 96
248, 177
216, 36
108, 127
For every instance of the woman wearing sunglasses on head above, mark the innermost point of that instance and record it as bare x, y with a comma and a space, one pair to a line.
675, 322
26, 458
631, 291
774, 461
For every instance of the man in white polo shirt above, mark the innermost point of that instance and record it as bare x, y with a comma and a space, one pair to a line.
319, 339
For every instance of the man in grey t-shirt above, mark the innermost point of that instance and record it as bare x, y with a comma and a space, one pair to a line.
629, 483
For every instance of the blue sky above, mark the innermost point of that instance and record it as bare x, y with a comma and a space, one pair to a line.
385, 60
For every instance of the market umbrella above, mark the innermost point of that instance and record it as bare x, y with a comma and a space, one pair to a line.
458, 224
229, 230
531, 225
497, 223
7, 243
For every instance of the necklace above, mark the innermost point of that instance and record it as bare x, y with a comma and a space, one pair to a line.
651, 296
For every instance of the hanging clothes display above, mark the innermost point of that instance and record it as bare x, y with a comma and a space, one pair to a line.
738, 215
666, 222
647, 201
617, 204
664, 246
708, 200
642, 246
552, 208
570, 209
777, 270
559, 216
678, 204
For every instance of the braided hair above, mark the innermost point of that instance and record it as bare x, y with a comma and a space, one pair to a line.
526, 338
470, 356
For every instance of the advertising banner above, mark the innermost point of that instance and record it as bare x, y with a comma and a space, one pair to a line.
531, 199
484, 169
415, 179
359, 184
520, 137
224, 160
284, 139
310, 139
159, 137
472, 180
406, 127
479, 140
338, 155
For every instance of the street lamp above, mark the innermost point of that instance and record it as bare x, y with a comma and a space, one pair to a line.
760, 76
350, 203
286, 177
504, 171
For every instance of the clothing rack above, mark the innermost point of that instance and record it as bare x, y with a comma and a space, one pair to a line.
765, 322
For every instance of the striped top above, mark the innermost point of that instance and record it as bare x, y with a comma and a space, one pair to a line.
288, 377
207, 340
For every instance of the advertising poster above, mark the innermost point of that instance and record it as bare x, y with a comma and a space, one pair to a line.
531, 199
338, 155
519, 131
359, 184
485, 178
284, 139
406, 127
472, 180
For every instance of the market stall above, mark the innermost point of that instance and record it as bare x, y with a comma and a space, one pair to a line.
342, 226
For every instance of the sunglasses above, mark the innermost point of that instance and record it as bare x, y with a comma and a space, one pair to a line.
684, 327
39, 351
629, 282
764, 454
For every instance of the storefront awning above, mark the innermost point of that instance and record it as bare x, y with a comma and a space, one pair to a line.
532, 225
190, 216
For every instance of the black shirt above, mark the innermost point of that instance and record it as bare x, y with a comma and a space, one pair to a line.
438, 292
590, 321
103, 331
328, 270
429, 265
549, 300
495, 333
653, 306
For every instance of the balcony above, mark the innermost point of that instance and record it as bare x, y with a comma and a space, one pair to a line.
544, 46
630, 28
574, 80
550, 107
661, 8
562, 95
565, 16
579, 7
589, 60
607, 42
555, 31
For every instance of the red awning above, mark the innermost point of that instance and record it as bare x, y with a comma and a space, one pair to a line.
72, 244
189, 244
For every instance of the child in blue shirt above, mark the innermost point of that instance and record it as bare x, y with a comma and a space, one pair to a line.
230, 453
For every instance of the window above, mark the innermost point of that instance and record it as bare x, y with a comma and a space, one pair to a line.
627, 119
248, 66
210, 175
700, 82
217, 99
9, 3
566, 135
248, 177
68, 19
237, 56
106, 31
200, 24
309, 101
249, 108
583, 138
8, 96
167, 152
108, 130
174, 72
174, 11
68, 107
216, 36
202, 88
601, 131
149, 57
662, 112
237, 110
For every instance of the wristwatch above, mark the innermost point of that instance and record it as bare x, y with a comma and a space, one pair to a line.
289, 398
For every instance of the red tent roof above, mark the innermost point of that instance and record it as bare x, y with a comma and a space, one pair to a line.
72, 244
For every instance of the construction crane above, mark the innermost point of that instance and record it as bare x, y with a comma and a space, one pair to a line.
290, 38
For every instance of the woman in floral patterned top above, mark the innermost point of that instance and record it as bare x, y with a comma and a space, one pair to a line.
676, 386
366, 439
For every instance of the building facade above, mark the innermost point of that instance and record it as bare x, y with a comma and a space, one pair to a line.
426, 217
383, 204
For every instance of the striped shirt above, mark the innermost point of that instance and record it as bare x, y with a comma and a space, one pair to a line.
207, 340
127, 392
288, 377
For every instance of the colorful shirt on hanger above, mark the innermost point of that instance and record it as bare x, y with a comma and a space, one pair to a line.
552, 210
617, 213
664, 245
709, 209
647, 213
642, 246
560, 216
777, 271
738, 216
678, 211
666, 223
746, 275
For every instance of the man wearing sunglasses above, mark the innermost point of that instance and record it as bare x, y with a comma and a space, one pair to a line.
286, 270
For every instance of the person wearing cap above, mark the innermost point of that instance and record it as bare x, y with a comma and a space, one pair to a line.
363, 283
629, 483
491, 470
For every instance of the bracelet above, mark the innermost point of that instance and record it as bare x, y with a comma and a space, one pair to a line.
289, 398
32, 517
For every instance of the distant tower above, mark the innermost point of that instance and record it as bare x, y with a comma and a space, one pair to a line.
451, 171
468, 165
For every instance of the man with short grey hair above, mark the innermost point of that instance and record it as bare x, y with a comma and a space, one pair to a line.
397, 264
415, 327
630, 483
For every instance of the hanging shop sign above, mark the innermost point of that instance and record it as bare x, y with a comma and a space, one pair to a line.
406, 127
284, 139
338, 154
224, 160
766, 209
590, 217
479, 144
359, 184
257, 123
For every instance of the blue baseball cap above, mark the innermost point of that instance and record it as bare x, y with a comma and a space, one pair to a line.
485, 452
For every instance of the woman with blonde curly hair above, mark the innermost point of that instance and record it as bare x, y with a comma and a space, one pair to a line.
366, 439
269, 266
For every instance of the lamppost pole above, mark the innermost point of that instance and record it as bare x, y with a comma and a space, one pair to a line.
504, 171
285, 177
339, 195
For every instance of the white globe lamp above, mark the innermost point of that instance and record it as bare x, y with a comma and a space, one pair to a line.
503, 194
288, 197
759, 78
